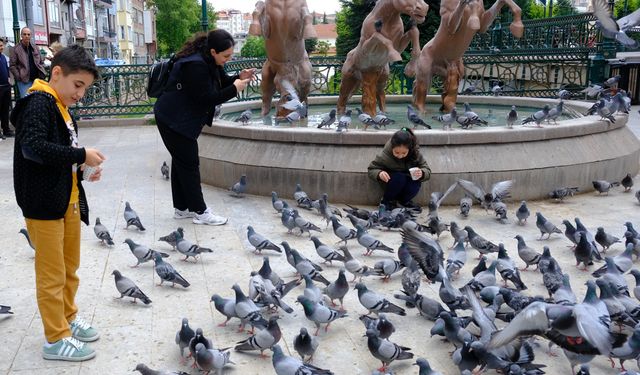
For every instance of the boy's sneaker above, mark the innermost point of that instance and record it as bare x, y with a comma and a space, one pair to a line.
68, 349
183, 214
83, 331
208, 218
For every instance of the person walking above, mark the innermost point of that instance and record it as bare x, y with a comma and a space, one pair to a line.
197, 84
5, 94
25, 63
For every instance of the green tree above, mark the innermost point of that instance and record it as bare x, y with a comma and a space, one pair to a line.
563, 8
253, 47
324, 18
348, 23
177, 21
315, 21
310, 45
212, 17
618, 8
323, 47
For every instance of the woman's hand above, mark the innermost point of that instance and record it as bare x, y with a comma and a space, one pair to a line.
248, 74
384, 176
241, 84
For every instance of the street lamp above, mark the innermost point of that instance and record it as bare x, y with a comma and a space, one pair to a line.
205, 23
16, 23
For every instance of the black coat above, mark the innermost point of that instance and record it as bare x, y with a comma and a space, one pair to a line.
43, 158
194, 88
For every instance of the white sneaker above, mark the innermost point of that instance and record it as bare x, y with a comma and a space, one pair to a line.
186, 214
209, 218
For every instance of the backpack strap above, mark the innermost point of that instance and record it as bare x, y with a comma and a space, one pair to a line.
174, 83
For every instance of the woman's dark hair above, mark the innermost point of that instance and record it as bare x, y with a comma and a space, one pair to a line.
405, 137
218, 40
74, 59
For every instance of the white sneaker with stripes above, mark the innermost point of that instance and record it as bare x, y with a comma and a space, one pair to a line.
68, 349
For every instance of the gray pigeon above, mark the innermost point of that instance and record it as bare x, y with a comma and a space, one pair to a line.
425, 367
247, 310
375, 302
563, 94
305, 345
415, 119
143, 253
613, 29
209, 359
171, 237
244, 117
337, 289
523, 213
528, 255
365, 118
164, 169
382, 119
385, 350
369, 242
285, 365
480, 243
465, 205
301, 197
26, 235
545, 226
538, 116
386, 268
328, 119
561, 193
603, 186
226, 307
381, 325
189, 249
496, 90
457, 259
627, 182
304, 225
342, 232
131, 217
512, 117
277, 203
344, 122
145, 370
354, 266
319, 314
638, 196
259, 242
184, 336
166, 272
555, 113
264, 339
102, 233
472, 115
305, 267
128, 288
448, 118
326, 252
5, 309
239, 188
198, 338
604, 112
605, 239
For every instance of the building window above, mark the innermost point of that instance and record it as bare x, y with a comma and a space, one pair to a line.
130, 34
88, 7
38, 12
54, 13
122, 35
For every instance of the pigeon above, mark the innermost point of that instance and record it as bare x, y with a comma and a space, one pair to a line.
247, 310
592, 90
189, 249
538, 116
453, 330
102, 233
164, 169
456, 259
465, 205
306, 267
480, 243
319, 314
260, 242
285, 365
425, 251
369, 242
344, 122
385, 350
277, 203
604, 112
26, 235
145, 370
360, 213
481, 266
171, 237
381, 325
484, 278
337, 289
354, 266
523, 213
499, 192
143, 253
507, 269
563, 94
326, 252
365, 119
166, 272
528, 255
458, 234
225, 306
328, 119
603, 186
605, 240
496, 90
239, 188
386, 268
613, 29
302, 199
184, 336
415, 119
555, 112
131, 217
583, 252
561, 193
342, 232
512, 117
5, 309
448, 118
303, 224
382, 119
629, 350
264, 339
209, 359
128, 288
244, 117
374, 302
638, 196
545, 226
627, 182
305, 345
472, 115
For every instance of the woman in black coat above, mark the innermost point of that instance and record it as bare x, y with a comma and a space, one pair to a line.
197, 84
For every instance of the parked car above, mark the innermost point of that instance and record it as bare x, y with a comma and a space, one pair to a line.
109, 62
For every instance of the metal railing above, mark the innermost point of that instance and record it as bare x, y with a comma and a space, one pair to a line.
553, 54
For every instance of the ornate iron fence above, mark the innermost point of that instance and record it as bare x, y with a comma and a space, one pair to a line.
553, 53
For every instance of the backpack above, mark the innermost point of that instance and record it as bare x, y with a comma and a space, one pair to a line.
158, 76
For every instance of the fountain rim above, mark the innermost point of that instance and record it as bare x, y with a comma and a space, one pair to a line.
311, 135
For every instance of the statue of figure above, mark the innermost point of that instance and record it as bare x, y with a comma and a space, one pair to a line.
382, 38
284, 24
442, 55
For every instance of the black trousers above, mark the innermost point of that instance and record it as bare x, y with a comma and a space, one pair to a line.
401, 187
185, 170
5, 104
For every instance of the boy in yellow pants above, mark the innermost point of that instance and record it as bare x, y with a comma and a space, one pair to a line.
48, 166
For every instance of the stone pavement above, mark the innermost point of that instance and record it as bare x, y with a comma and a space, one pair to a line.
133, 333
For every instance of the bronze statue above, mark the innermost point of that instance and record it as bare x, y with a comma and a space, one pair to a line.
382, 38
284, 24
442, 55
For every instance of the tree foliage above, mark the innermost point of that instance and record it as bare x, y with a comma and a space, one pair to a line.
253, 47
177, 21
310, 45
324, 18
563, 8
323, 47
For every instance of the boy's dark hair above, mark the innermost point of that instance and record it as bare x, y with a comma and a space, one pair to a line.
74, 59
219, 40
405, 137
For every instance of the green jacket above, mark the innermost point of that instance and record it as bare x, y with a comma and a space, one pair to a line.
389, 163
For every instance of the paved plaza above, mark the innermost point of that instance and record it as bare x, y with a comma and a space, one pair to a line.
133, 333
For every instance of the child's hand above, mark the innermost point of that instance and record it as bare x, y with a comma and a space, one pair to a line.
384, 176
93, 157
96, 175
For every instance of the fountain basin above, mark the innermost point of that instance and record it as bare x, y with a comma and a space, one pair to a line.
572, 153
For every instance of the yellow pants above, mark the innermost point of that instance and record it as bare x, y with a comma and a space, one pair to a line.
57, 244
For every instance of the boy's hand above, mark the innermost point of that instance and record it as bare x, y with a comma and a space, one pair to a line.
384, 176
93, 157
96, 175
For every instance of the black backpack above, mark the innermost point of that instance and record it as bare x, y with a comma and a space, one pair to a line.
158, 76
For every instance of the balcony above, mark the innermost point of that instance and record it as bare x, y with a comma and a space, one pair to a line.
103, 3
106, 36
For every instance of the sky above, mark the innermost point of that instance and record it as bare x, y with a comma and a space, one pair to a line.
320, 6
